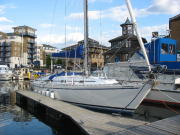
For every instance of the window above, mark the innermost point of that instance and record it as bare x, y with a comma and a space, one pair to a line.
15, 53
15, 48
0, 37
15, 43
18, 48
164, 48
129, 29
93, 56
18, 54
172, 49
124, 30
18, 43
96, 56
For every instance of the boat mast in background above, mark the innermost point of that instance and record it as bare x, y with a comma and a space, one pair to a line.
85, 36
137, 31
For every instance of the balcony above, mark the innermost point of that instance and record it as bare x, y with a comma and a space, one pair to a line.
5, 44
1, 50
97, 51
32, 52
28, 34
30, 57
8, 61
31, 42
31, 47
29, 61
7, 55
7, 50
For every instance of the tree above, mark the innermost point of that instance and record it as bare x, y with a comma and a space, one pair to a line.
59, 61
48, 61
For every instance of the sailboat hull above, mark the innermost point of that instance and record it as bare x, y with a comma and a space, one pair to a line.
114, 98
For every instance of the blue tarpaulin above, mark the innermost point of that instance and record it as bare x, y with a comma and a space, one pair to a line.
76, 53
39, 73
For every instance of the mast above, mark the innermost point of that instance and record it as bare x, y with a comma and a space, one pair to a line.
137, 31
85, 36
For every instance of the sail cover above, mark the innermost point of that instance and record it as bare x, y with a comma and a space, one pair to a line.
75, 53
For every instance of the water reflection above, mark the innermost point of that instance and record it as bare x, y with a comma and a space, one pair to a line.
16, 119
28, 120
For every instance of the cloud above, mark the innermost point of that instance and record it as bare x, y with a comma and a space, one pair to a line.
45, 25
6, 28
3, 19
161, 30
2, 7
160, 7
13, 7
119, 13
55, 40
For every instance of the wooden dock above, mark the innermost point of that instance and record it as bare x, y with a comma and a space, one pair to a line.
100, 123
168, 126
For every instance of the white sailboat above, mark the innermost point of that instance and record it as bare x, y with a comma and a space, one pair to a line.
96, 92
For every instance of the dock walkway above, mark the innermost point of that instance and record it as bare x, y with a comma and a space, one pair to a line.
100, 123
94, 122
168, 126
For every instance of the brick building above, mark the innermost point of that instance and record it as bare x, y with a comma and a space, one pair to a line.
174, 26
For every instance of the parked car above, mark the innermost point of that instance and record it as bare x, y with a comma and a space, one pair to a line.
58, 66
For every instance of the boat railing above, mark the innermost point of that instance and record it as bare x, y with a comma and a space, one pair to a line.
129, 74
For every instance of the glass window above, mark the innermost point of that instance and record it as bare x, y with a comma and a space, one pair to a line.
15, 53
0, 37
96, 56
129, 27
124, 30
164, 48
15, 48
172, 49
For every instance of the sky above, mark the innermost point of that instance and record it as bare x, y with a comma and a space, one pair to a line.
60, 23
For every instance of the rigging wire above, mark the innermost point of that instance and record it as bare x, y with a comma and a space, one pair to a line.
52, 21
165, 103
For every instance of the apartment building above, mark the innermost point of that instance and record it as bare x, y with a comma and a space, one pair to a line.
42, 51
174, 26
39, 54
18, 48
95, 57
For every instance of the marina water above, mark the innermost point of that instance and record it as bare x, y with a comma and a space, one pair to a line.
19, 120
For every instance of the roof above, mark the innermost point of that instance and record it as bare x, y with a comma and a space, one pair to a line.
23, 27
127, 22
177, 17
12, 34
131, 37
91, 43
122, 50
44, 45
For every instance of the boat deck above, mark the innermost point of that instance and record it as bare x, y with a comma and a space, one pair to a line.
100, 123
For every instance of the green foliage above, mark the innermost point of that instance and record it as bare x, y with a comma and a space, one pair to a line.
59, 61
48, 61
